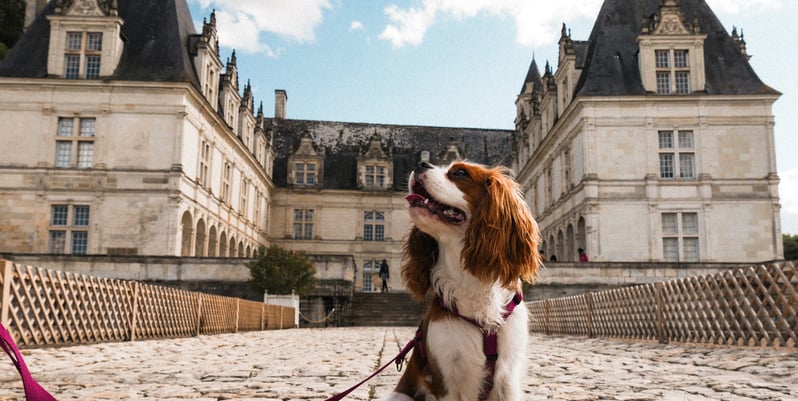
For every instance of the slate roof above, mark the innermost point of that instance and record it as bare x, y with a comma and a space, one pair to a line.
156, 35
343, 142
611, 65
533, 76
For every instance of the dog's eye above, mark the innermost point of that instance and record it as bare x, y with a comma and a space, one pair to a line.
459, 173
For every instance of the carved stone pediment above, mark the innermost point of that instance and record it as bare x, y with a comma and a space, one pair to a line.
451, 154
306, 146
87, 8
374, 150
670, 21
671, 25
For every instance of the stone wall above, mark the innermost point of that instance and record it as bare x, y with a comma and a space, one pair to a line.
142, 268
559, 279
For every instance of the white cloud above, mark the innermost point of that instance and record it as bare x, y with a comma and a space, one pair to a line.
788, 197
742, 6
356, 26
240, 22
537, 22
788, 190
408, 27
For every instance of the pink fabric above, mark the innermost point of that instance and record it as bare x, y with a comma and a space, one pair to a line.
33, 391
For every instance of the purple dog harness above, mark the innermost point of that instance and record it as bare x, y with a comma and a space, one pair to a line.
490, 347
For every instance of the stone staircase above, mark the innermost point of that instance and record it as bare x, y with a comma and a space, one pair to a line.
385, 309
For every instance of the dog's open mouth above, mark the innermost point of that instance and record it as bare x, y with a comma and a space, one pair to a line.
421, 198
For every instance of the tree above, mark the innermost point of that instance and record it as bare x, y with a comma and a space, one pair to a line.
790, 246
12, 19
280, 271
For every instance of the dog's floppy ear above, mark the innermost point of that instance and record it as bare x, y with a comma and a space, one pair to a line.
501, 243
421, 252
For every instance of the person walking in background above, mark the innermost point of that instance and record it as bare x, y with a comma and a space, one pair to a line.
582, 255
384, 275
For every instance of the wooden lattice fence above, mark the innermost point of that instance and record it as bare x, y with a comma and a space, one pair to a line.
46, 307
752, 306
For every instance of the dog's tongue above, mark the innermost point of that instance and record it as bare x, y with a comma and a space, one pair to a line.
414, 198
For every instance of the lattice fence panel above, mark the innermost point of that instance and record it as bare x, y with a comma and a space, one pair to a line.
752, 306
46, 307
166, 312
625, 312
537, 317
88, 309
569, 315
251, 316
218, 314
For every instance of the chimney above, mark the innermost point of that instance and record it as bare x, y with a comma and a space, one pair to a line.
280, 97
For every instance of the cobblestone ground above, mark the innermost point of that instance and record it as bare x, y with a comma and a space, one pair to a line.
312, 364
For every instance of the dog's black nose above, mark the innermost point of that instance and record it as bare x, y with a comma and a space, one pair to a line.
423, 166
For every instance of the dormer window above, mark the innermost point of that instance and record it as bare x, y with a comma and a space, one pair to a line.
82, 55
306, 165
375, 166
673, 71
671, 53
85, 40
375, 176
305, 173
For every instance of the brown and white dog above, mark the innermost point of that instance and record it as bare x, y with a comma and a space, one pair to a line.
472, 243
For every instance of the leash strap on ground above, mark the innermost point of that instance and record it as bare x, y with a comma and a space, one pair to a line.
33, 391
399, 359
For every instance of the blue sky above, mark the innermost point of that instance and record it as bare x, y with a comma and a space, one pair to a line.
458, 63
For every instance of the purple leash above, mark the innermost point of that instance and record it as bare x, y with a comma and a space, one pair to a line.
33, 391
399, 359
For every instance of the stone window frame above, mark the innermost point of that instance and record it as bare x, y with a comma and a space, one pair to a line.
374, 226
227, 182
680, 236
205, 160
75, 139
302, 223
373, 179
243, 198
257, 208
676, 151
305, 172
371, 267
68, 229
82, 54
672, 71
566, 163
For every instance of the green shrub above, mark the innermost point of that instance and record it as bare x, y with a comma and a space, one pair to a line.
790, 246
280, 271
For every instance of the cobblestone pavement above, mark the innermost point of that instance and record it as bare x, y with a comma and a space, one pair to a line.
312, 364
